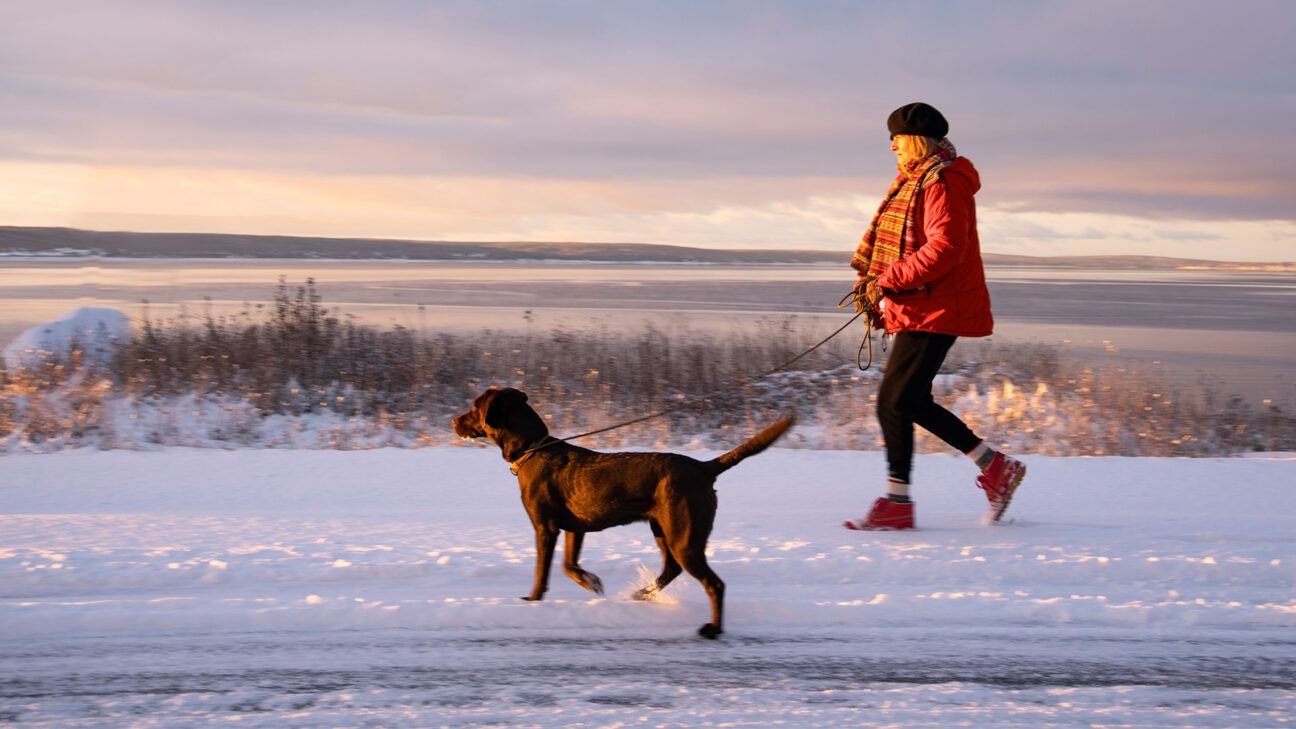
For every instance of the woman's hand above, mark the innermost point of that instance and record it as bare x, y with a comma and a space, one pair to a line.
867, 294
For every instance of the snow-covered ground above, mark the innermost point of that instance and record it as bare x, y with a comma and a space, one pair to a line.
279, 588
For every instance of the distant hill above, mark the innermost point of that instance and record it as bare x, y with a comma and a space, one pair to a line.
72, 242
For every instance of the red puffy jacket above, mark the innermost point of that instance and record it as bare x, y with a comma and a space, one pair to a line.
941, 286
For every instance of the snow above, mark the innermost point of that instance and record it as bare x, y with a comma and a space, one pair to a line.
96, 330
279, 588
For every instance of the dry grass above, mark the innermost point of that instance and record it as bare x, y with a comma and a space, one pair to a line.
295, 374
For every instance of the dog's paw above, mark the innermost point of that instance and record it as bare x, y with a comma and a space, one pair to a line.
648, 589
710, 631
532, 598
593, 583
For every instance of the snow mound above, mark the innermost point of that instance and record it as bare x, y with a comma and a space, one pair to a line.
94, 330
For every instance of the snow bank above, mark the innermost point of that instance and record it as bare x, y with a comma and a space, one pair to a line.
94, 330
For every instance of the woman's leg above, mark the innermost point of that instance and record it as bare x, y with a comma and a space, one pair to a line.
904, 398
947, 426
911, 366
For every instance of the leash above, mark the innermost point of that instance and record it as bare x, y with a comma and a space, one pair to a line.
854, 298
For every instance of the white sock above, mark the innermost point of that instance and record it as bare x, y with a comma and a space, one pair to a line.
982, 455
899, 488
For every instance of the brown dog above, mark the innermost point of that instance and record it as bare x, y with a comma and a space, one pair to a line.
577, 490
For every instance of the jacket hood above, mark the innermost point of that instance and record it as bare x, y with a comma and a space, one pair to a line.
962, 166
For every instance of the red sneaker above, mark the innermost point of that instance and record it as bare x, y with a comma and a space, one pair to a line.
999, 481
886, 515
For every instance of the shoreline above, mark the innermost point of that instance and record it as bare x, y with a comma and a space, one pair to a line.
1005, 261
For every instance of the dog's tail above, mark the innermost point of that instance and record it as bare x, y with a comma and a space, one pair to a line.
756, 444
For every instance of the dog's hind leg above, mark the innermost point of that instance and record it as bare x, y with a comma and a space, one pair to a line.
546, 540
694, 561
670, 568
571, 564
687, 527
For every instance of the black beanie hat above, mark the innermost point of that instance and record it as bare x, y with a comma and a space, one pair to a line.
917, 118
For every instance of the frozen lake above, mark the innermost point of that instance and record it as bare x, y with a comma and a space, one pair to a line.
1233, 327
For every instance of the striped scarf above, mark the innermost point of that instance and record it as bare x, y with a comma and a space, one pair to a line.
891, 237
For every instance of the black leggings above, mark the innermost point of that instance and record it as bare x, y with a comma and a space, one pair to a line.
904, 398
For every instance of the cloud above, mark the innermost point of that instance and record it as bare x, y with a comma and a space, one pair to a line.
782, 214
1157, 110
1043, 233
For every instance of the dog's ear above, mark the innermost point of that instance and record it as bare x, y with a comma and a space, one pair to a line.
500, 405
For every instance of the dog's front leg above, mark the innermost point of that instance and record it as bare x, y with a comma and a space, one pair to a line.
571, 564
546, 540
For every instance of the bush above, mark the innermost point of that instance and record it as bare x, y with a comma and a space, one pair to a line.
295, 374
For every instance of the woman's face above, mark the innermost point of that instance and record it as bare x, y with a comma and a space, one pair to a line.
903, 146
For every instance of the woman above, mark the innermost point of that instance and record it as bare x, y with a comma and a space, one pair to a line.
920, 262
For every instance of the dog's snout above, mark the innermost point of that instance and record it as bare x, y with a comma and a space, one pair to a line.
462, 426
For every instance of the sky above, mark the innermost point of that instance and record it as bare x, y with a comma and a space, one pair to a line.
1148, 127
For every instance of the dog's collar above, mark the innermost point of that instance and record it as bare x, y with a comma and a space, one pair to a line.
545, 442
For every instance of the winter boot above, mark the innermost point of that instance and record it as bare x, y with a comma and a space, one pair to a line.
886, 515
999, 480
